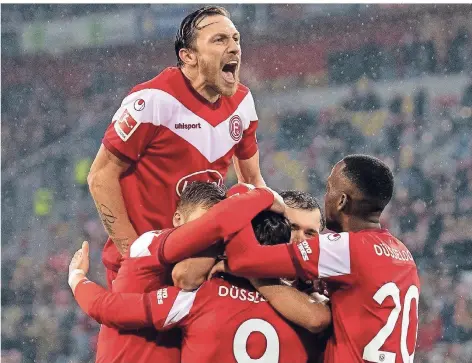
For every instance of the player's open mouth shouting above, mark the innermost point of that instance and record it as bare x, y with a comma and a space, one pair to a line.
229, 71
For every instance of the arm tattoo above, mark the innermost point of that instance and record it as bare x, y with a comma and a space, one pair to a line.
122, 244
108, 220
107, 217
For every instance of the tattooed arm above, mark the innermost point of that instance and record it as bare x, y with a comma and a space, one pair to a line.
104, 184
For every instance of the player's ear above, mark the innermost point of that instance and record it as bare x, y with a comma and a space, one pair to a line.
188, 56
177, 219
343, 202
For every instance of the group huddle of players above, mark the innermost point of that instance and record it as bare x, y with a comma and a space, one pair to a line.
200, 274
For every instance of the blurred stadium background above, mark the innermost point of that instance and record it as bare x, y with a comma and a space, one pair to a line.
390, 80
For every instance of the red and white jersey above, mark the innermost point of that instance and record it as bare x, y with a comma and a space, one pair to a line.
173, 136
374, 291
140, 272
224, 322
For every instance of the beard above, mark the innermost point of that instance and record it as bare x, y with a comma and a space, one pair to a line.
215, 80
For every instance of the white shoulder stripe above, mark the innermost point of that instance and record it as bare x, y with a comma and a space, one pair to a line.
162, 109
182, 305
140, 247
335, 257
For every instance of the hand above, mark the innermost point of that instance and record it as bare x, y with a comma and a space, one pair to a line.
80, 259
219, 267
278, 206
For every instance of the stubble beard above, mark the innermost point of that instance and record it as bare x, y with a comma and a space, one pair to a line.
215, 81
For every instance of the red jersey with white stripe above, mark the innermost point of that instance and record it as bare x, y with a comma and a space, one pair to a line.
140, 272
173, 136
374, 292
148, 265
221, 321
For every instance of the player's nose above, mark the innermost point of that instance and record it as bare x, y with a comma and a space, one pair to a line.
234, 47
297, 236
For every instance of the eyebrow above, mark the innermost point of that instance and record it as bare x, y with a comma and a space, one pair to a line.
225, 35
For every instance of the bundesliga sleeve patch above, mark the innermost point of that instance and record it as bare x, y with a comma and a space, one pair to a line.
126, 125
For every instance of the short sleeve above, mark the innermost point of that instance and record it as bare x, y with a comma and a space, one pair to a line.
150, 244
325, 256
133, 126
171, 306
247, 147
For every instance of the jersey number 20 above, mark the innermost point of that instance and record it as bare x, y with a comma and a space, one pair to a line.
372, 352
271, 355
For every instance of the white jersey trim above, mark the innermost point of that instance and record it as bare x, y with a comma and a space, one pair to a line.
335, 257
162, 109
140, 247
181, 307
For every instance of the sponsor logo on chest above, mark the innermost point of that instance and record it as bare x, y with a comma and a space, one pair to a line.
212, 141
209, 176
184, 126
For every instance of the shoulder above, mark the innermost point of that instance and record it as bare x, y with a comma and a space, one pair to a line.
147, 241
331, 238
167, 77
158, 89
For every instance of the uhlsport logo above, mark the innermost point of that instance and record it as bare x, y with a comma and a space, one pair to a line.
183, 126
236, 128
209, 176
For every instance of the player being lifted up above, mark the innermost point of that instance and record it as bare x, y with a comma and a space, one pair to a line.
217, 320
372, 277
186, 124
202, 219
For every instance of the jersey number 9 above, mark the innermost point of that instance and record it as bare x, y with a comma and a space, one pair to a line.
271, 354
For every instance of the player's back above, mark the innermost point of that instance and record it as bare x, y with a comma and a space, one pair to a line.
140, 272
375, 306
231, 322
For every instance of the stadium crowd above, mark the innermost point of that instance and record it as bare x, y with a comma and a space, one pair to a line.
426, 142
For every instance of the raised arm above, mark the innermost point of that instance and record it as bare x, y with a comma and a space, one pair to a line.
104, 184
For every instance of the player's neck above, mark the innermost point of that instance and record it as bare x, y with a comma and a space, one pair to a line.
354, 223
197, 82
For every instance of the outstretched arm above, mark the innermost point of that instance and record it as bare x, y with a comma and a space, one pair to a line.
121, 311
218, 223
246, 257
125, 311
115, 310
